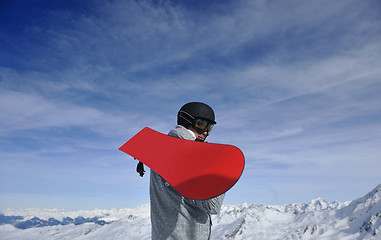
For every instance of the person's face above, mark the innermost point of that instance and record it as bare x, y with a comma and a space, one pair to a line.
199, 136
201, 128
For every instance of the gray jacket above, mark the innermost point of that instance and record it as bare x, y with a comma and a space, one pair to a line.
174, 216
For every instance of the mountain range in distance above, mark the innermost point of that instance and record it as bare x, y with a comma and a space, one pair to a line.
359, 219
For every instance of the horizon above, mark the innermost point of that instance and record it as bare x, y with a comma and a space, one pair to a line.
295, 85
52, 211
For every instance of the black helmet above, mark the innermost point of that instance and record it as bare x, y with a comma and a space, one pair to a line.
190, 111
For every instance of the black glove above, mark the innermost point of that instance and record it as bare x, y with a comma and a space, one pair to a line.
140, 169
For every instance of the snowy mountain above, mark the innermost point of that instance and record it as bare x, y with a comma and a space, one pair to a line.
359, 219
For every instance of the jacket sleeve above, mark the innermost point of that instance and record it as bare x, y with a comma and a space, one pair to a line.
211, 206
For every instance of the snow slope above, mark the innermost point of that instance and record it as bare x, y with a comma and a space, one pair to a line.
359, 219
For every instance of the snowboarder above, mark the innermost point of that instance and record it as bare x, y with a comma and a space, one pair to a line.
174, 216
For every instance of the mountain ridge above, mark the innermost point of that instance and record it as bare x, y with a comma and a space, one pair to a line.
319, 219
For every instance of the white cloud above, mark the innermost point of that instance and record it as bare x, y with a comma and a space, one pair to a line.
28, 111
31, 111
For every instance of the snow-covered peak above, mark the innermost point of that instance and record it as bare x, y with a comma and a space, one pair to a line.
371, 201
321, 204
368, 204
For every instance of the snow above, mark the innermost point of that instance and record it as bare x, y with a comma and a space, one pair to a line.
319, 219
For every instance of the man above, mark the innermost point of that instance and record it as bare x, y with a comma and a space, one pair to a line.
174, 216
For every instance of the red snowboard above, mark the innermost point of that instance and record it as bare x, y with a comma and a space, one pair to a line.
197, 170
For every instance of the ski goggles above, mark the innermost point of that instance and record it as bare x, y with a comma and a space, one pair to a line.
202, 125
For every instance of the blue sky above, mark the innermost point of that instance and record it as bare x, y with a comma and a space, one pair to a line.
295, 84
